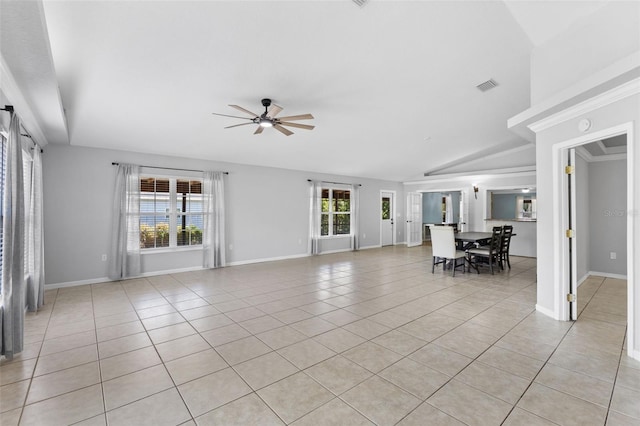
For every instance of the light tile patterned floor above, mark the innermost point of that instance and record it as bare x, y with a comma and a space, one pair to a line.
370, 337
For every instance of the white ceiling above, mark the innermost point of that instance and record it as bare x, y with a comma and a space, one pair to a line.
391, 84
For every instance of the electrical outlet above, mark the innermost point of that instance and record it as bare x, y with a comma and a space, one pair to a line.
104, 257
364, 236
230, 246
613, 255
299, 241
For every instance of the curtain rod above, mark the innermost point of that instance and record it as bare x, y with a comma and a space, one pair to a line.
336, 183
169, 168
9, 109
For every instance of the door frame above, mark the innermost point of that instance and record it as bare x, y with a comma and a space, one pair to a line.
560, 152
393, 215
464, 199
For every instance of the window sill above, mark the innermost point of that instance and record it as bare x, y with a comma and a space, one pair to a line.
144, 252
335, 237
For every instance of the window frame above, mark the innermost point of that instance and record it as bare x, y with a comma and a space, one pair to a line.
173, 213
331, 213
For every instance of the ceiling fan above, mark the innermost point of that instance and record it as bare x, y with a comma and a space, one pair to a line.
268, 118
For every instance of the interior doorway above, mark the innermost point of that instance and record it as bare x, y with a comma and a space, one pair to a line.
594, 217
387, 218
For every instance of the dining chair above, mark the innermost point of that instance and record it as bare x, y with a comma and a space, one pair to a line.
443, 247
490, 252
505, 242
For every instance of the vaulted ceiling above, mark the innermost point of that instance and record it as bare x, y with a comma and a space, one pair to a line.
392, 85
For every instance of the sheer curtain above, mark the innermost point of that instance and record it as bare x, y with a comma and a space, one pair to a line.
213, 245
315, 198
448, 215
355, 217
35, 237
125, 239
13, 229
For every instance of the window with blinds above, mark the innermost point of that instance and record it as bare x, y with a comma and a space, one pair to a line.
3, 150
170, 212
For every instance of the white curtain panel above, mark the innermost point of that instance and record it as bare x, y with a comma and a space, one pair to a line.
125, 239
315, 199
213, 238
448, 209
35, 237
355, 217
13, 228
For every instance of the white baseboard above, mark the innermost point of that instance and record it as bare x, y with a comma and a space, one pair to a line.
107, 279
583, 279
635, 354
607, 275
76, 283
545, 311
370, 247
268, 259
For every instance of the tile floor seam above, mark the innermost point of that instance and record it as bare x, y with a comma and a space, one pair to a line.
175, 386
370, 305
533, 380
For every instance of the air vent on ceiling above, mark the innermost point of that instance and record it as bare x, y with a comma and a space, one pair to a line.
360, 2
489, 84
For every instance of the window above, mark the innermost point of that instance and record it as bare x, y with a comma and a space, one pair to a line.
3, 162
335, 212
170, 212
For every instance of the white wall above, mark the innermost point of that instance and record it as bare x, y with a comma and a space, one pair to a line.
588, 46
623, 111
267, 212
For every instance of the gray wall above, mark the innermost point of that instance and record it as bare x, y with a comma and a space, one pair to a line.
432, 207
503, 206
607, 216
78, 194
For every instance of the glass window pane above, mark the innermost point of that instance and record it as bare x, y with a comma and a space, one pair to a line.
386, 208
162, 232
147, 231
194, 204
325, 200
162, 185
341, 200
341, 224
324, 224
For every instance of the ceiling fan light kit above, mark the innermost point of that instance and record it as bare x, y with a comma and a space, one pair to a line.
268, 118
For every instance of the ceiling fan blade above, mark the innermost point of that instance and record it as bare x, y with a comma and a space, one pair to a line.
281, 129
297, 117
258, 130
301, 126
274, 110
239, 108
232, 116
238, 125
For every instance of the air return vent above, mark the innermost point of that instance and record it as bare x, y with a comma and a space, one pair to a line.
360, 2
489, 84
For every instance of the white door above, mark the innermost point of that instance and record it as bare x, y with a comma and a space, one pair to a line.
464, 211
387, 201
414, 219
573, 250
387, 214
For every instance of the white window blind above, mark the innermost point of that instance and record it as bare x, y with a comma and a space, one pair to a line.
171, 212
3, 150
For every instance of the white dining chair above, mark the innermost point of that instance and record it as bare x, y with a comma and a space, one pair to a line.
443, 247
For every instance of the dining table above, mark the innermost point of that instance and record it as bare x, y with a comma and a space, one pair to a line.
466, 240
